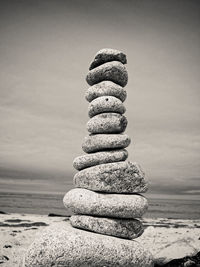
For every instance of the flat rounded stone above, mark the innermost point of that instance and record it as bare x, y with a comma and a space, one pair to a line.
105, 88
106, 55
107, 123
62, 245
97, 158
124, 228
111, 71
99, 142
105, 104
116, 177
83, 201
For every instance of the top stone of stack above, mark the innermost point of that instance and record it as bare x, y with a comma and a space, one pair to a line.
107, 55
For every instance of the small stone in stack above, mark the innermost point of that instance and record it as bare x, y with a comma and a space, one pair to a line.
97, 158
84, 201
105, 88
105, 104
107, 123
111, 71
124, 228
105, 142
107, 55
115, 177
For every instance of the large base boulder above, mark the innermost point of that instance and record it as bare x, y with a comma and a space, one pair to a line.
63, 245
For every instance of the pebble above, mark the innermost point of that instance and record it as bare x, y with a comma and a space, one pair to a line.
105, 88
106, 55
62, 245
116, 177
107, 123
97, 158
105, 104
124, 228
99, 142
112, 71
83, 201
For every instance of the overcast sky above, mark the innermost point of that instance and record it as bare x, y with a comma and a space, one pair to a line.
45, 51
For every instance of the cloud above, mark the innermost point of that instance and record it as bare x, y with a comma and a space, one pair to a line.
31, 180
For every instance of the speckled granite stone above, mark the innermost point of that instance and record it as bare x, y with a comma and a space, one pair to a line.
107, 123
116, 177
89, 160
112, 71
99, 142
124, 228
106, 55
105, 104
105, 88
62, 245
83, 201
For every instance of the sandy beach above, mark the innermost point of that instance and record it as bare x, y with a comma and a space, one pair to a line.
167, 239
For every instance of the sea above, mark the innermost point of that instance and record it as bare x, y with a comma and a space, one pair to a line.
44, 203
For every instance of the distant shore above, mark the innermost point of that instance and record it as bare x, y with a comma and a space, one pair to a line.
166, 238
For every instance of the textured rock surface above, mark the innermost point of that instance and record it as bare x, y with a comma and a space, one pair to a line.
176, 250
83, 201
63, 245
107, 123
99, 142
125, 228
106, 55
105, 104
97, 158
112, 71
105, 88
117, 177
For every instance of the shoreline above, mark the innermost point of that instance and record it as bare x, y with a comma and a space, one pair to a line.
146, 219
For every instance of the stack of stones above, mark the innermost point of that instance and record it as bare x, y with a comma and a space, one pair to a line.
107, 197
106, 201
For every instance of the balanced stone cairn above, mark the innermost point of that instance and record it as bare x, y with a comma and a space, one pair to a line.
107, 197
106, 201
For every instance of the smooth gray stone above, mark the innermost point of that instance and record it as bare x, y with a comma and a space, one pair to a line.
107, 123
105, 88
116, 177
83, 201
97, 158
106, 55
99, 142
111, 71
105, 104
62, 245
124, 228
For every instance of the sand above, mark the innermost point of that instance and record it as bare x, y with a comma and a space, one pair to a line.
166, 238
